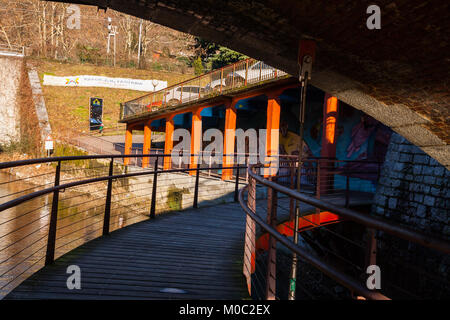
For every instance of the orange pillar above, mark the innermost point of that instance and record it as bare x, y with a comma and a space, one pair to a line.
128, 143
330, 117
147, 143
168, 144
228, 140
272, 131
196, 139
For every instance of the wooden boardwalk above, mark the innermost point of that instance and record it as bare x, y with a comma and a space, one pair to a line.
197, 253
192, 254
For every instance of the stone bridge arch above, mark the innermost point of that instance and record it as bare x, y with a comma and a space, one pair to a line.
398, 74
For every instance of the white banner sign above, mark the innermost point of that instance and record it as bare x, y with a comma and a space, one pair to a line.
106, 82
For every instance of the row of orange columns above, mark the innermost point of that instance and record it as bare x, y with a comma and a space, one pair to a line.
273, 119
272, 134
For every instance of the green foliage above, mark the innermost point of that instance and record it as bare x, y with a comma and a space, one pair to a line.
25, 145
215, 55
205, 49
87, 54
225, 57
128, 64
175, 197
11, 147
198, 66
185, 60
156, 66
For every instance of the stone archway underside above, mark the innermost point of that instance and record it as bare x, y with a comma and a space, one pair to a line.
398, 75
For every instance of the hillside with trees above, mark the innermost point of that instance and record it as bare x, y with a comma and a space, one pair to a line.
45, 30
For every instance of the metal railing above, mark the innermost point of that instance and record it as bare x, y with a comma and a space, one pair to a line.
331, 261
12, 50
234, 77
81, 198
84, 197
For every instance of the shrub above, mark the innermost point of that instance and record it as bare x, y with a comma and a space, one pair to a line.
198, 66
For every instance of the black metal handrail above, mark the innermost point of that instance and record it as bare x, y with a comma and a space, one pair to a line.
372, 223
358, 217
326, 268
57, 188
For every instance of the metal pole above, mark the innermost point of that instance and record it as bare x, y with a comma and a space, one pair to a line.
271, 275
155, 181
50, 254
236, 185
114, 47
293, 275
197, 176
107, 216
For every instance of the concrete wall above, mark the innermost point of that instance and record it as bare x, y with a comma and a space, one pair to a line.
10, 77
175, 191
39, 103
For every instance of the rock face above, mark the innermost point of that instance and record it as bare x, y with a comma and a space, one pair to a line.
413, 190
10, 73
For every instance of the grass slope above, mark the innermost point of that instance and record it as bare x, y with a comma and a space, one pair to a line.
69, 107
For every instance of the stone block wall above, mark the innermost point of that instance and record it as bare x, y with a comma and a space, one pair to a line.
413, 190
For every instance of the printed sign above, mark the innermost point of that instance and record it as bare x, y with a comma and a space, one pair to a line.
96, 114
106, 82
49, 143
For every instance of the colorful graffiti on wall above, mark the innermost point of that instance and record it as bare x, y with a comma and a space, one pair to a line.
358, 137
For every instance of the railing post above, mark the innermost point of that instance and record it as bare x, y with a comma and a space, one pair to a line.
197, 177
246, 72
107, 216
247, 166
155, 181
250, 236
260, 70
271, 276
51, 241
232, 81
164, 99
319, 182
209, 163
292, 186
236, 185
181, 94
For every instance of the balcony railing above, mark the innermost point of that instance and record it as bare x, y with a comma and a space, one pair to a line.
234, 77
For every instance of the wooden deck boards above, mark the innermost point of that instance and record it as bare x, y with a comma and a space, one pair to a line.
198, 251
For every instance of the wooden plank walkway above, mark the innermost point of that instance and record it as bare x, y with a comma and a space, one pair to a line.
197, 252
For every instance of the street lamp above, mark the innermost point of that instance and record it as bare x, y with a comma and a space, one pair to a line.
154, 83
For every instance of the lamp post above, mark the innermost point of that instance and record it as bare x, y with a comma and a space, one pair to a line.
154, 83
